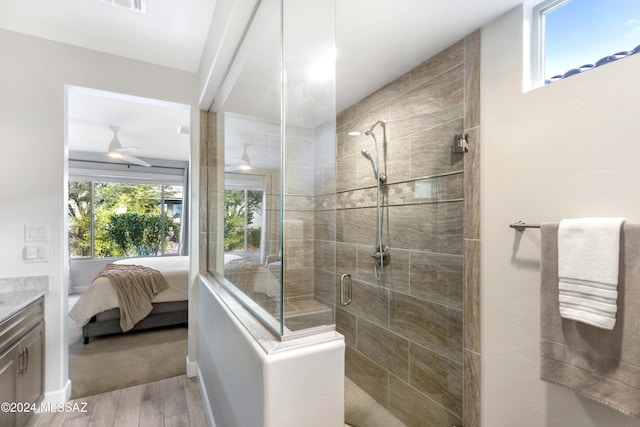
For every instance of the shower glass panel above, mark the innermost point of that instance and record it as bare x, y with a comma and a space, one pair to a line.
276, 118
309, 149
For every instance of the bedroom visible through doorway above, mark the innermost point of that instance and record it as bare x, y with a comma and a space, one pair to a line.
127, 170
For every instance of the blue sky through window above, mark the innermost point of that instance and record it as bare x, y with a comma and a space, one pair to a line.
583, 31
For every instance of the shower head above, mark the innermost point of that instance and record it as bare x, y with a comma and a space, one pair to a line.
383, 123
367, 156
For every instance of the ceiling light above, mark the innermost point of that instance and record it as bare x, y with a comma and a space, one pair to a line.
139, 6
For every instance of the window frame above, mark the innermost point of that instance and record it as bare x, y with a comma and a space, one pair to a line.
538, 55
92, 172
538, 39
246, 183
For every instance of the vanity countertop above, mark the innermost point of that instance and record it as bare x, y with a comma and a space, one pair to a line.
18, 292
14, 301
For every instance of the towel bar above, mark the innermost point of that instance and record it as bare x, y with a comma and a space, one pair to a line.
521, 225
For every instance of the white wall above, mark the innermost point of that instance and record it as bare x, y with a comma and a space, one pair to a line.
82, 272
228, 24
33, 75
270, 384
565, 150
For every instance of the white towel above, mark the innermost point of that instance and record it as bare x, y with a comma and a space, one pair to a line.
588, 259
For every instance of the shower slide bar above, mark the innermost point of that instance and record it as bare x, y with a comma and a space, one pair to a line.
521, 225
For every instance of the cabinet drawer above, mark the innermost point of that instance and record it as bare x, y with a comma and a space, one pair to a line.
22, 361
20, 324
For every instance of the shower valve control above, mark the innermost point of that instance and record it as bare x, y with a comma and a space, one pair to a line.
382, 255
461, 143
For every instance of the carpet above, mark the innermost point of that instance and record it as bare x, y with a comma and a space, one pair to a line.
118, 361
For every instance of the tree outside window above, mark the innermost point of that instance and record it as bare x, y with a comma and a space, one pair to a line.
124, 219
242, 220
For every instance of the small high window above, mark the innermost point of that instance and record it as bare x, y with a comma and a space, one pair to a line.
573, 36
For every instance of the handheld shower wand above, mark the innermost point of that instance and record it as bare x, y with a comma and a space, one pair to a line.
367, 156
380, 177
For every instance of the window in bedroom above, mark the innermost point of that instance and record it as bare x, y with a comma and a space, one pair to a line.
573, 36
244, 215
121, 219
242, 220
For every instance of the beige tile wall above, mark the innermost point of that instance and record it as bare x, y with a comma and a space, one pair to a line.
472, 247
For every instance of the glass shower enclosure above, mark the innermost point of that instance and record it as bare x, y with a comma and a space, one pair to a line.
300, 202
276, 127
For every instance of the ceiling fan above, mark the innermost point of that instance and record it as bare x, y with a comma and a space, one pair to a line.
243, 163
117, 151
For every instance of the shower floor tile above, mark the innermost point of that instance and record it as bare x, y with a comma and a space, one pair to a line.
362, 411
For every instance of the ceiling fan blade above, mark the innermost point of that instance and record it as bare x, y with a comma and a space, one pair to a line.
126, 150
135, 161
115, 146
117, 151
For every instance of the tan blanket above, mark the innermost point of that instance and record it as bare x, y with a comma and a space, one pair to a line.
601, 364
135, 286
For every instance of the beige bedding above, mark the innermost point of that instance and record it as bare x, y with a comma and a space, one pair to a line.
250, 277
135, 286
101, 296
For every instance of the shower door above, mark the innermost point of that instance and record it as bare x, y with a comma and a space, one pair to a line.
404, 326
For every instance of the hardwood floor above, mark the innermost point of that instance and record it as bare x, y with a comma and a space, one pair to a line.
172, 402
176, 402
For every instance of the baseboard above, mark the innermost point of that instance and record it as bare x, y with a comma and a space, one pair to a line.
211, 422
52, 398
192, 368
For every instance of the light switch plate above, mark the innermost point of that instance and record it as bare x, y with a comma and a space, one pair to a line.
36, 233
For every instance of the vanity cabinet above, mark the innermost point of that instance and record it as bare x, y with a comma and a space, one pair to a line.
22, 363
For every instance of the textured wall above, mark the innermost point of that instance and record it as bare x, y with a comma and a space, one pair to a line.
404, 332
559, 151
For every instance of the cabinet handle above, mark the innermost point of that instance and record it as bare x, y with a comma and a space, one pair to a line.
26, 365
20, 363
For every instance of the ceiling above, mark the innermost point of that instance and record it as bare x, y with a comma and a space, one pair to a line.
377, 41
149, 124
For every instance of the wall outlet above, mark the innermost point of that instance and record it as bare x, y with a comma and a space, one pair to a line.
36, 253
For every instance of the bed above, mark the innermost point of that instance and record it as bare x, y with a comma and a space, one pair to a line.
253, 279
97, 310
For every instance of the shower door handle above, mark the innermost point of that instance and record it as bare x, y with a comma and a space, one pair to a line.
345, 285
